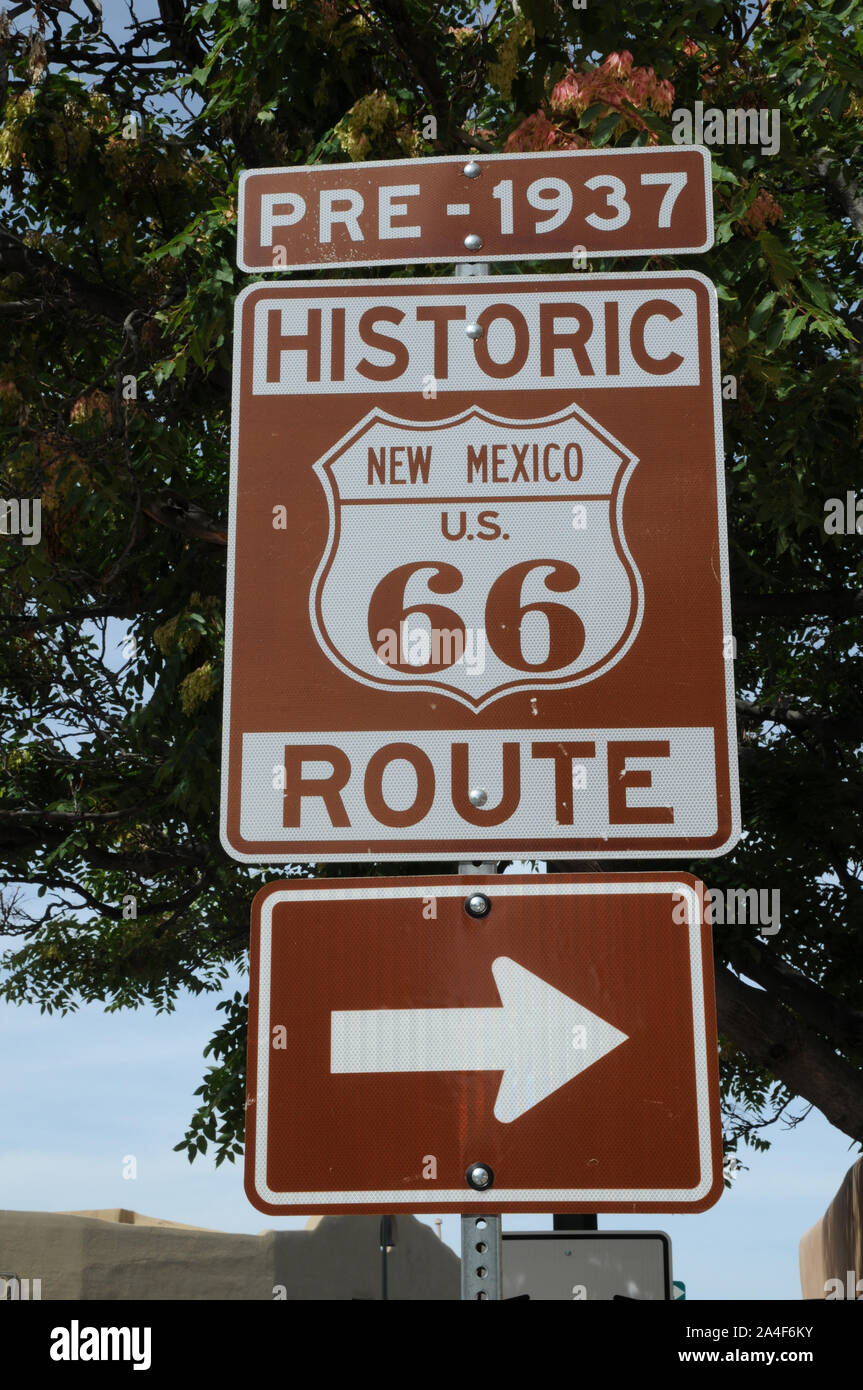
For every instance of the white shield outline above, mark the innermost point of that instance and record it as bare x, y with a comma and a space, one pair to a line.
535, 684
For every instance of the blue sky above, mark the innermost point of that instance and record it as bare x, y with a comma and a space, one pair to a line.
79, 1094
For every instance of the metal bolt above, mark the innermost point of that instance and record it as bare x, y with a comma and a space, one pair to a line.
474, 330
472, 241
477, 905
477, 796
480, 1176
472, 170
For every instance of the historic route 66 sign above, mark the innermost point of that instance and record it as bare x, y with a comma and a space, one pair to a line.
477, 596
564, 609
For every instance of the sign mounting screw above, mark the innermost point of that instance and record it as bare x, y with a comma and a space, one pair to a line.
478, 796
480, 1176
473, 241
474, 330
477, 905
472, 170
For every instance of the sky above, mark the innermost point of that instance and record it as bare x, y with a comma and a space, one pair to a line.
80, 1095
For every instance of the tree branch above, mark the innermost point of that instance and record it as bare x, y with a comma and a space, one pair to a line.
40, 817
772, 1038
16, 256
420, 59
845, 190
115, 914
10, 307
813, 1003
800, 721
25, 624
186, 518
826, 604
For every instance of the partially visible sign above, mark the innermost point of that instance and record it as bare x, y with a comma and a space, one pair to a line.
586, 1266
562, 1044
630, 202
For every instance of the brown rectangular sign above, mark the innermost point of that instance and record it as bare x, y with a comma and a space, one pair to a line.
564, 1041
478, 586
577, 204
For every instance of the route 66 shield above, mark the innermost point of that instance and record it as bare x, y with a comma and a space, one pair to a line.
506, 566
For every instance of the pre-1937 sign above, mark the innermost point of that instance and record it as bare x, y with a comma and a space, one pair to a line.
626, 202
478, 584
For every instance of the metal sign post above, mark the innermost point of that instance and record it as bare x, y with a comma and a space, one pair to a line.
481, 1269
481, 1276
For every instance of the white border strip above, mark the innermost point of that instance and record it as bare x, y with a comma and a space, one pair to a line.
466, 1197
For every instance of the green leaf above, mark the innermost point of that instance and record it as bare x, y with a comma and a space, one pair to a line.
721, 173
780, 260
761, 311
604, 129
775, 331
591, 114
816, 292
795, 327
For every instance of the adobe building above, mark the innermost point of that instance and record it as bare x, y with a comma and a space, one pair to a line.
121, 1254
831, 1253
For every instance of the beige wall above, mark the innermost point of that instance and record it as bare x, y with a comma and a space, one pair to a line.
833, 1248
122, 1255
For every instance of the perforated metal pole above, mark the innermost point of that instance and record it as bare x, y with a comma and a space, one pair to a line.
481, 1276
480, 1258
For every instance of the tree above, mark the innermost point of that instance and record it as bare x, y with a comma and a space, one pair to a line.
120, 152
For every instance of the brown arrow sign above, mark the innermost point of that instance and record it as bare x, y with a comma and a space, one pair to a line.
566, 1040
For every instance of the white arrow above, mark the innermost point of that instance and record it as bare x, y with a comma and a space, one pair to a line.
540, 1039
